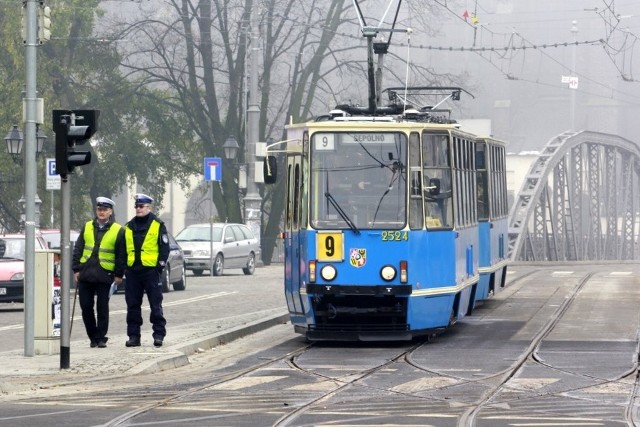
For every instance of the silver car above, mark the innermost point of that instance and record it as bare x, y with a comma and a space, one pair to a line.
234, 246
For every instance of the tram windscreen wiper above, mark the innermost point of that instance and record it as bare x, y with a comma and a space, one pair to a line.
341, 212
395, 167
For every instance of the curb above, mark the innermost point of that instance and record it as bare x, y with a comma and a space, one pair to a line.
184, 350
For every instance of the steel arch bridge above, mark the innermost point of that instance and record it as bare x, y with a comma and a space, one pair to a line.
579, 201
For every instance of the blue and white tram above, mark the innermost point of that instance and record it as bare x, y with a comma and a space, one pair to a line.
492, 216
383, 235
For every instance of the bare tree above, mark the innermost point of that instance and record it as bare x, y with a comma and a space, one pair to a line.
194, 52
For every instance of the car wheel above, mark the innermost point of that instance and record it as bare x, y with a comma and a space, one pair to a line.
182, 284
251, 265
197, 272
165, 279
218, 265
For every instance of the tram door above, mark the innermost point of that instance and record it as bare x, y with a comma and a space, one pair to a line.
294, 251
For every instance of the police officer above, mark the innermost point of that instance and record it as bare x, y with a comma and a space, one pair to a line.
147, 248
98, 260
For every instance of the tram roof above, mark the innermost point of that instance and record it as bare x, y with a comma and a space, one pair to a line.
363, 123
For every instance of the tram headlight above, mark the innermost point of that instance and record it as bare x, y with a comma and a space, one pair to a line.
404, 275
328, 272
388, 273
312, 271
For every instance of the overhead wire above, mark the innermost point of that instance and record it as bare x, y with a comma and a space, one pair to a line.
510, 47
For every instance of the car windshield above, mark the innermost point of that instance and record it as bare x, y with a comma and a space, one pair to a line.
12, 248
199, 234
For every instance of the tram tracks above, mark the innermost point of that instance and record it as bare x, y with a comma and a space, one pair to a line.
344, 384
124, 418
504, 387
586, 381
356, 377
467, 419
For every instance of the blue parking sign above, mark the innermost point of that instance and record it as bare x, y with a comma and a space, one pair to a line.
52, 180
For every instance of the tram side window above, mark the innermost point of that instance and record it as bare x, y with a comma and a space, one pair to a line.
464, 171
482, 182
503, 182
436, 181
495, 184
498, 183
416, 215
473, 183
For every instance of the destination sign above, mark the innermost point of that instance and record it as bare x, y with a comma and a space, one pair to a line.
369, 138
326, 141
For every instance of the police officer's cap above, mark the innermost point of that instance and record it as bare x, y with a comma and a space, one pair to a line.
143, 198
104, 202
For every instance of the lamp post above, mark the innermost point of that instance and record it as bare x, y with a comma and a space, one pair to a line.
253, 200
15, 143
574, 32
231, 148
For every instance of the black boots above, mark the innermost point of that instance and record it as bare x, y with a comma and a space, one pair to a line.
133, 342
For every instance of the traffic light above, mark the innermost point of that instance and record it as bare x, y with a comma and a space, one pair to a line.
73, 128
44, 23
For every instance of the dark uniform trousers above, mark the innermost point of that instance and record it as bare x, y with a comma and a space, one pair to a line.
140, 282
87, 293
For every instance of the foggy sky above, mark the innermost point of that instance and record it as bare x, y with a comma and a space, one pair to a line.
520, 90
533, 105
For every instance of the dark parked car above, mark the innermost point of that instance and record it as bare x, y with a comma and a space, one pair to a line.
174, 274
234, 246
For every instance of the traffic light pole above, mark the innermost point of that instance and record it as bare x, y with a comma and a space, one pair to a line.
30, 178
72, 127
65, 273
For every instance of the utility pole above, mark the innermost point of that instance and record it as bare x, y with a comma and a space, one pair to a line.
30, 176
574, 31
252, 200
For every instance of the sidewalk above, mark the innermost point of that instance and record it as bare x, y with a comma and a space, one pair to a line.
21, 373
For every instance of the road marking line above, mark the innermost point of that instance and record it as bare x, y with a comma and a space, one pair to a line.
144, 307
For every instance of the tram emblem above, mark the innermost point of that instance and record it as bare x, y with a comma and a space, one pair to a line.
357, 257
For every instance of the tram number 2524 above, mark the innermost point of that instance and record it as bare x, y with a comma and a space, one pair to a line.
394, 236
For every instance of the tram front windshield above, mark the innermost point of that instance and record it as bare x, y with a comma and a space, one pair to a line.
358, 180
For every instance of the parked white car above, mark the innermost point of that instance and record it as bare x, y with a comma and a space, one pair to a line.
234, 246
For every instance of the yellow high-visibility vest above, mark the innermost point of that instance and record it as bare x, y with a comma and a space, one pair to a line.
150, 250
106, 251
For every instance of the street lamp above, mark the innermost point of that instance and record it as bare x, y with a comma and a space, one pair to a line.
15, 142
231, 148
